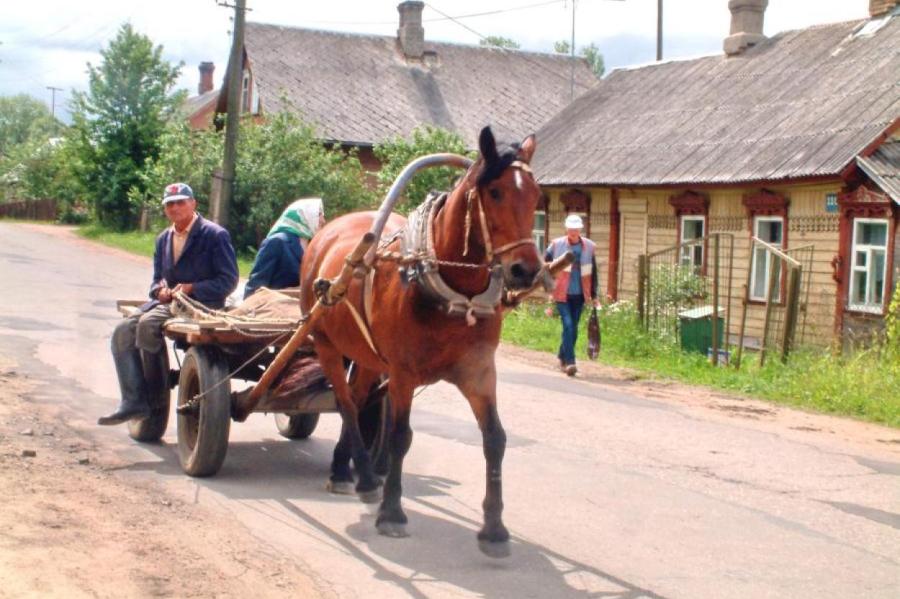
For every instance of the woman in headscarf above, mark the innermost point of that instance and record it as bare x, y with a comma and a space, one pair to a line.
277, 264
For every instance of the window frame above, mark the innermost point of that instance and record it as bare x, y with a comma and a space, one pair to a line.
782, 245
542, 231
868, 308
689, 255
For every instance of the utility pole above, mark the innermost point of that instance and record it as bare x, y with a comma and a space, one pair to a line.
233, 112
659, 29
53, 91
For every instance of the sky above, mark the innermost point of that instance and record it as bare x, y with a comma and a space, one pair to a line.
46, 43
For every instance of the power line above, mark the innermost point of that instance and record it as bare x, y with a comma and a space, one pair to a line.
445, 18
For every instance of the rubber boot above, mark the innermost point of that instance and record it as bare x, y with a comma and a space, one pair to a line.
131, 382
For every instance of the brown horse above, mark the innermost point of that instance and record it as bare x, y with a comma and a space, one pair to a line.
413, 338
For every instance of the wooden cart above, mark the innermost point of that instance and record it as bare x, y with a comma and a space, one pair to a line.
212, 354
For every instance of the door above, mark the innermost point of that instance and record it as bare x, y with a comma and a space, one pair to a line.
632, 243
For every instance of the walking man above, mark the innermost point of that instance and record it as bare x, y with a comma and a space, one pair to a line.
193, 256
574, 287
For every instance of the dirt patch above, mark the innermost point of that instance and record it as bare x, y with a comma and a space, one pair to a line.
71, 526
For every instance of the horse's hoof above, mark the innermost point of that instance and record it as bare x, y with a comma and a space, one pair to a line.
392, 529
373, 496
340, 487
494, 549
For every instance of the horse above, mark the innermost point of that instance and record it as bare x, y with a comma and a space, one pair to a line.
483, 229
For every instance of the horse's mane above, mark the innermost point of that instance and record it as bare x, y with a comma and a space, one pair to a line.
492, 169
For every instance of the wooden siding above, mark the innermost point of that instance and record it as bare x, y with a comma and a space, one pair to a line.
648, 224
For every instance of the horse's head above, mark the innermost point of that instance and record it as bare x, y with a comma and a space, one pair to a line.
509, 196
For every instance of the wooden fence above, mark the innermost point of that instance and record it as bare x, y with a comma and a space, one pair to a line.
29, 209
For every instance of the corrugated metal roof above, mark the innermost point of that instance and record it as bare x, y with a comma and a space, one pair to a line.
360, 89
883, 167
800, 104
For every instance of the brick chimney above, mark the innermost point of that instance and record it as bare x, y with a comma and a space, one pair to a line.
746, 25
411, 35
878, 8
206, 77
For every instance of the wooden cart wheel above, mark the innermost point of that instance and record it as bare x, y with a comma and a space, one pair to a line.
374, 424
152, 428
203, 432
299, 426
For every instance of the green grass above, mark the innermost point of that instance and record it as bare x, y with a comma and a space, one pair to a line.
140, 243
864, 385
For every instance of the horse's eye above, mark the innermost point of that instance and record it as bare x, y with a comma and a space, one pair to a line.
495, 193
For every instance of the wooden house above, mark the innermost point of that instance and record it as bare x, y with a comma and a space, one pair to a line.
793, 138
362, 90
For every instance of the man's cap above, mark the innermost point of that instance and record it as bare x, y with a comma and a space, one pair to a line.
177, 191
573, 221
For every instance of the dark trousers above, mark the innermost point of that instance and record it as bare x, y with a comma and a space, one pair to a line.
136, 346
570, 313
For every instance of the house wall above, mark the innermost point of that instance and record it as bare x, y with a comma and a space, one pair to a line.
648, 224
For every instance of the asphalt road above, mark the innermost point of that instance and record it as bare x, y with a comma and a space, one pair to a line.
610, 491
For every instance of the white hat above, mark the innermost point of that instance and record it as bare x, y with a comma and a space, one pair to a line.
573, 221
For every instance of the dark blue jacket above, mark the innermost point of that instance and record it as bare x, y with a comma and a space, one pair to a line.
207, 261
277, 263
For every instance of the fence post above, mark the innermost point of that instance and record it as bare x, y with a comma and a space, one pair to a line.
791, 311
770, 257
642, 289
715, 312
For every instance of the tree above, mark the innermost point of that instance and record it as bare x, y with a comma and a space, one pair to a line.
119, 122
24, 118
562, 47
592, 54
395, 154
498, 41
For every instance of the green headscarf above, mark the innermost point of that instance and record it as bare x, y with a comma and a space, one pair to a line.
301, 218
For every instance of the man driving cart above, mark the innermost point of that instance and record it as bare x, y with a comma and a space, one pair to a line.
193, 256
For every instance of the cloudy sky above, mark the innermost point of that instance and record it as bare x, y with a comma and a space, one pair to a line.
48, 42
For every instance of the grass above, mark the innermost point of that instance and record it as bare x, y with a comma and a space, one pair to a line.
863, 385
140, 243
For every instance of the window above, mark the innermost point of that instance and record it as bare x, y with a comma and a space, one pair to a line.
692, 228
868, 266
537, 231
771, 230
245, 92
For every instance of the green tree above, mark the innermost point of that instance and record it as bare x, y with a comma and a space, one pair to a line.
119, 123
498, 41
395, 154
592, 54
24, 118
562, 47
281, 160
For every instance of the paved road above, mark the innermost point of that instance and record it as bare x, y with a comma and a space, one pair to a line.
609, 492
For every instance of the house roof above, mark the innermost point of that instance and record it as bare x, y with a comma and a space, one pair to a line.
194, 104
800, 104
359, 89
883, 167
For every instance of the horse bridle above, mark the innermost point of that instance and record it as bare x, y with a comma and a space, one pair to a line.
473, 197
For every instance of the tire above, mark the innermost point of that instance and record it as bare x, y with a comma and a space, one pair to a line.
203, 434
299, 426
152, 428
374, 422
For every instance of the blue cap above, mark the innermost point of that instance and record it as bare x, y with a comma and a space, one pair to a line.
177, 191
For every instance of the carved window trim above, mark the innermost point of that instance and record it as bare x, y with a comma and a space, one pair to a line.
577, 201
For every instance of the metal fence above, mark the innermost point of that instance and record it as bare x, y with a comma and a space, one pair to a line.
696, 273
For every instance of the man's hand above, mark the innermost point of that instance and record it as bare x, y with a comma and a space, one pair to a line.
549, 311
164, 295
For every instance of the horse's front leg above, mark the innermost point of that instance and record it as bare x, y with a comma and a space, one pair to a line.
350, 443
391, 519
480, 390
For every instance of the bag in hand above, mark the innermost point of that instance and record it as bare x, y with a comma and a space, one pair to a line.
593, 331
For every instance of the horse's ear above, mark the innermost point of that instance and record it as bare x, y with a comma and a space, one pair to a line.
488, 145
526, 151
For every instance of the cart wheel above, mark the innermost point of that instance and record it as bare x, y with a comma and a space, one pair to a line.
152, 428
203, 433
299, 426
374, 424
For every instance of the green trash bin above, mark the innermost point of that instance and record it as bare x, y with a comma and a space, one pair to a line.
696, 329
